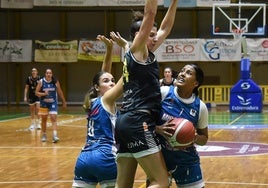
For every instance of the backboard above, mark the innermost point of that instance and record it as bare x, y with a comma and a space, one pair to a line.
239, 19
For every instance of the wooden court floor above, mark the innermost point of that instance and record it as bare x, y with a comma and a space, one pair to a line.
235, 157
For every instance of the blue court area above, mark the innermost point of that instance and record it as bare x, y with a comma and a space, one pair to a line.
228, 120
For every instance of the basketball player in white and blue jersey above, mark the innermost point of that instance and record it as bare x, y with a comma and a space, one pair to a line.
96, 163
182, 101
48, 89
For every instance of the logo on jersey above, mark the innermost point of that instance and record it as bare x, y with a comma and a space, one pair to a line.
193, 112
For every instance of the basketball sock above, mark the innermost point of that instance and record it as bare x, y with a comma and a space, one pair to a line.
54, 133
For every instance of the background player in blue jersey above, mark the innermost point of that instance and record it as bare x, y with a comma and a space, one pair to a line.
135, 125
183, 101
96, 162
32, 99
48, 89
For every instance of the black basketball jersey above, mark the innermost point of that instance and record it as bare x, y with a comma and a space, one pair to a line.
141, 84
32, 82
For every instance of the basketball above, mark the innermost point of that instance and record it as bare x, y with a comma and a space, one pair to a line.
183, 134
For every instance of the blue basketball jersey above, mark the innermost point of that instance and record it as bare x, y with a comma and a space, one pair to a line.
96, 162
52, 91
172, 107
98, 132
184, 165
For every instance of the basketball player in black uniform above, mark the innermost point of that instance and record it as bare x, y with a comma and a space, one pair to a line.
134, 129
32, 99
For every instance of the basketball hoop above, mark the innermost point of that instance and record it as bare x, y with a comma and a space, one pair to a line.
237, 33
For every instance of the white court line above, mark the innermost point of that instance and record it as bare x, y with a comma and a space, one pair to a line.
138, 181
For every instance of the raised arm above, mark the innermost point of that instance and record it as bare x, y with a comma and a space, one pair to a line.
107, 61
139, 45
166, 24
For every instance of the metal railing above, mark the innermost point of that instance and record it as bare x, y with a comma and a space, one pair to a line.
220, 94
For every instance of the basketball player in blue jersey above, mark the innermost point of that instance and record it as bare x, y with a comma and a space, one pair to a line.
48, 89
96, 162
134, 129
32, 99
182, 101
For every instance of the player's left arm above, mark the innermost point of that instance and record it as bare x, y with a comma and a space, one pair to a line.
107, 61
166, 24
60, 93
201, 136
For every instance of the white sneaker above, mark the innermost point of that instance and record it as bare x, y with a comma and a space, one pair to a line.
44, 138
55, 139
38, 126
32, 127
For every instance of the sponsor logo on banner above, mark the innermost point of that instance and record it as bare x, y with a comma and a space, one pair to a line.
257, 49
56, 51
94, 51
178, 50
221, 50
15, 50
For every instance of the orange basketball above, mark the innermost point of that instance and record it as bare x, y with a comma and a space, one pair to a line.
183, 134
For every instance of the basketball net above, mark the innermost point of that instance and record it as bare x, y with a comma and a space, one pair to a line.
237, 33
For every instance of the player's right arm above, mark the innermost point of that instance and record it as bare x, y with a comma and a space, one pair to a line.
26, 89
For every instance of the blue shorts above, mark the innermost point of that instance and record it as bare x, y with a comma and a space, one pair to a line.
95, 166
184, 166
48, 108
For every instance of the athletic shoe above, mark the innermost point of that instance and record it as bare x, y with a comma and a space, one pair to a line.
44, 138
55, 139
38, 126
32, 127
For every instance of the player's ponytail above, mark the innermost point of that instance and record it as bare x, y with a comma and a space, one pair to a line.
92, 92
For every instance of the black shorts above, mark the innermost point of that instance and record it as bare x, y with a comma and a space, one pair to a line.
135, 134
33, 99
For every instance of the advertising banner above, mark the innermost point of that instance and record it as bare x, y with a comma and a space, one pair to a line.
92, 2
257, 49
15, 50
209, 3
90, 50
220, 50
178, 50
56, 51
182, 3
25, 4
65, 3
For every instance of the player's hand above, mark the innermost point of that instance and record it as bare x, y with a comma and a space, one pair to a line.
119, 40
166, 129
108, 42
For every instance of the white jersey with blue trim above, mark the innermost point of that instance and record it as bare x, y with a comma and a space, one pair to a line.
100, 126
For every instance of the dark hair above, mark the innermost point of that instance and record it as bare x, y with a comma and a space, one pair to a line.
92, 92
137, 18
199, 74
